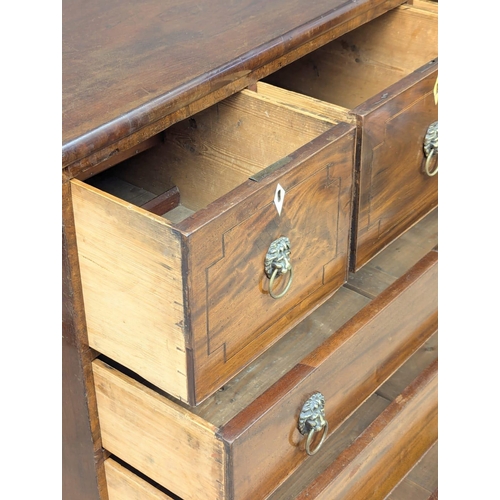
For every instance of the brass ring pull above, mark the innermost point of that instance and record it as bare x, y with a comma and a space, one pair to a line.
287, 286
277, 263
312, 420
431, 148
428, 163
310, 436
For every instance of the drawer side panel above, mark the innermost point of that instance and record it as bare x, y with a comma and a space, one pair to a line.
157, 437
131, 273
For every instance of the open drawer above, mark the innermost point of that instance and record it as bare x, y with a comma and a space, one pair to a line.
385, 74
199, 253
247, 438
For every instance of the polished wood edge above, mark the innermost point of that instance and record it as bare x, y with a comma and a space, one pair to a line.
253, 412
391, 413
394, 90
279, 390
97, 146
75, 337
370, 312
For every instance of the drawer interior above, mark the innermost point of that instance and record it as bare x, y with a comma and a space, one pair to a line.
204, 157
365, 61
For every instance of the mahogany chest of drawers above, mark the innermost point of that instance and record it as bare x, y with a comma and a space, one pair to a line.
249, 247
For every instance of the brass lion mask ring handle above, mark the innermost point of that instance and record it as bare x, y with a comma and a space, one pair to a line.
431, 148
277, 263
312, 420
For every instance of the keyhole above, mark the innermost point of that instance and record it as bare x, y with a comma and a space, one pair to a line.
279, 196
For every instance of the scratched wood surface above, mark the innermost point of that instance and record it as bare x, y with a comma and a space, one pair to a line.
126, 68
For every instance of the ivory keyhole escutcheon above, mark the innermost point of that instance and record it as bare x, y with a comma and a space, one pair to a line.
279, 197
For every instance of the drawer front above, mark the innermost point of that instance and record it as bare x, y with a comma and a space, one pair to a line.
131, 273
188, 303
266, 443
253, 453
233, 316
394, 189
387, 450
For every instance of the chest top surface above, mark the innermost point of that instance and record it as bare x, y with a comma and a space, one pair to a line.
127, 63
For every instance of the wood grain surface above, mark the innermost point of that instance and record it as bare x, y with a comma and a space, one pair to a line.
131, 274
262, 446
422, 481
165, 299
125, 485
83, 475
229, 272
363, 63
216, 150
430, 5
346, 369
392, 199
167, 443
120, 89
350, 430
391, 93
126, 66
387, 449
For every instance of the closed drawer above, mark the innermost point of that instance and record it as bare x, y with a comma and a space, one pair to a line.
236, 446
406, 419
172, 243
385, 73
387, 450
